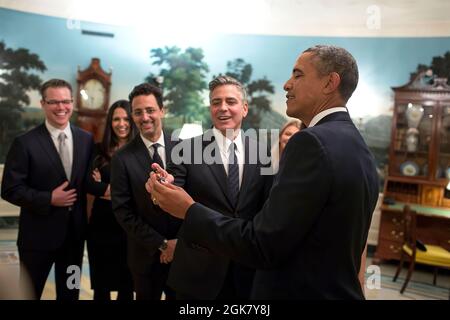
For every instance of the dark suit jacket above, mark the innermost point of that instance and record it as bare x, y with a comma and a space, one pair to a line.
33, 169
146, 225
195, 271
308, 239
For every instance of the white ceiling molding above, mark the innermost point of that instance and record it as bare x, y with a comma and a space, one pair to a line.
350, 18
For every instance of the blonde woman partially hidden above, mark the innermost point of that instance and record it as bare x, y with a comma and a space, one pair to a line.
287, 131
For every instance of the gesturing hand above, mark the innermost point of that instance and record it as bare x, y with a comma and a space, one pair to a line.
96, 175
161, 173
62, 198
169, 197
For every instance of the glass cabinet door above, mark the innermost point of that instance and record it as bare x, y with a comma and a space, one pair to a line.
443, 162
412, 141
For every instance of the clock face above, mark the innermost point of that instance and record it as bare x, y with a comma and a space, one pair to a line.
92, 95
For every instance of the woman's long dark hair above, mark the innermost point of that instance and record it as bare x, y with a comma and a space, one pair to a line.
110, 141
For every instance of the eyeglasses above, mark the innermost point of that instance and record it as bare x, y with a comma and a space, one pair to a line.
140, 112
56, 102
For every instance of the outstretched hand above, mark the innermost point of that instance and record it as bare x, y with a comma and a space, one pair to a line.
96, 175
161, 173
169, 197
63, 198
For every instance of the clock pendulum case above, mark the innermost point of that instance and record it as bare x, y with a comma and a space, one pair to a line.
92, 98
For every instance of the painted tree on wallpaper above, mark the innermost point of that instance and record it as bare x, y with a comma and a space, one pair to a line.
17, 77
183, 77
183, 81
440, 65
258, 91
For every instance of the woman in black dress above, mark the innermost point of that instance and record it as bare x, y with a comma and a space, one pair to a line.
106, 239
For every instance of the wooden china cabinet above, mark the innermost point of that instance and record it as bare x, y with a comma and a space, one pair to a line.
419, 165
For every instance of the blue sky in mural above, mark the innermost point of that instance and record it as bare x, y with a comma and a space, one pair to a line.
383, 62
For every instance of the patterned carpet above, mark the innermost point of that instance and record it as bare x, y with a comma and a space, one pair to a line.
419, 288
414, 291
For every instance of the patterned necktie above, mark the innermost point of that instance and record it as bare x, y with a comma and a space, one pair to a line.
156, 157
233, 175
63, 150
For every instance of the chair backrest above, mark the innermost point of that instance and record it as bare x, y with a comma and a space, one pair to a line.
409, 225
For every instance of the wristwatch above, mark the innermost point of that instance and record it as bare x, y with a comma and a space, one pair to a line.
163, 246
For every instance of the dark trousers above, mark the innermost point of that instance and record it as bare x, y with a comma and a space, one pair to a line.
149, 286
105, 294
227, 292
36, 265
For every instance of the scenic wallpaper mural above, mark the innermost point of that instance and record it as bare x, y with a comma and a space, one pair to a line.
34, 48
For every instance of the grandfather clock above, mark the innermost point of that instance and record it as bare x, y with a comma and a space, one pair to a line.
93, 98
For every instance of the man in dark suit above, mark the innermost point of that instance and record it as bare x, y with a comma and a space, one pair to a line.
151, 233
197, 273
307, 240
44, 175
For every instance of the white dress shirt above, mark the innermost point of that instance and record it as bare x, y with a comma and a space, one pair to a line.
324, 113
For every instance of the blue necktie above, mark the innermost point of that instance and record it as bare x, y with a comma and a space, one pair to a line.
233, 175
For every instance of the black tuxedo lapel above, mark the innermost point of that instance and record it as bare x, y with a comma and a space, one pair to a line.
142, 154
217, 168
46, 142
169, 144
77, 156
249, 169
